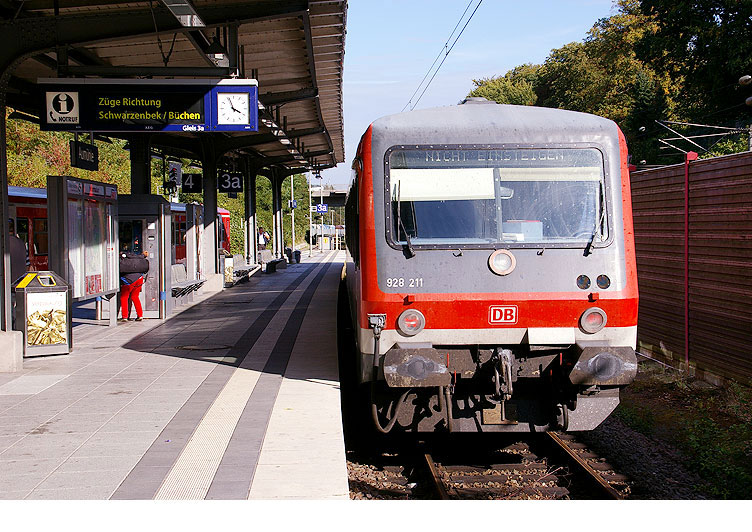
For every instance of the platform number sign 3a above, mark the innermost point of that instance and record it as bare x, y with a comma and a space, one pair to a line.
230, 182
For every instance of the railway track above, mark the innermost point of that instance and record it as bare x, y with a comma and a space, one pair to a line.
521, 475
590, 467
554, 466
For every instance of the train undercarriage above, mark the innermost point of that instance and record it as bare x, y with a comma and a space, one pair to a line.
419, 387
425, 388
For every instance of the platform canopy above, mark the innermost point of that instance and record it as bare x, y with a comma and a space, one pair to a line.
294, 48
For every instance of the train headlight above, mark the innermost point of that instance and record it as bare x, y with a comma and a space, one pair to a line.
411, 322
502, 262
593, 320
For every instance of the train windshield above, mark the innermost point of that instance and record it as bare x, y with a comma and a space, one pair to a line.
528, 196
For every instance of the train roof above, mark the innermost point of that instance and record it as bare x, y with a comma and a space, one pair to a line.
484, 122
180, 207
27, 192
41, 193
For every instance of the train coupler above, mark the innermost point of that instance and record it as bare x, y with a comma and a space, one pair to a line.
503, 361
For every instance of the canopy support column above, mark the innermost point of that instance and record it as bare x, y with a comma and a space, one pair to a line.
252, 167
11, 342
209, 165
140, 164
276, 178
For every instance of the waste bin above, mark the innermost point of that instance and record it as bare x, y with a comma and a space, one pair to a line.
296, 254
288, 252
44, 313
226, 266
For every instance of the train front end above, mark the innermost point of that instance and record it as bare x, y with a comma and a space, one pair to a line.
496, 277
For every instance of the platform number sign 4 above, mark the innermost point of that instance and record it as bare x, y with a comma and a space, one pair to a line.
193, 182
230, 182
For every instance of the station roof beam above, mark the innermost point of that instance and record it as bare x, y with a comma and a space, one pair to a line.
294, 48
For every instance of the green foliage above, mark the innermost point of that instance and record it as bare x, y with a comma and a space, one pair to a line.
651, 60
710, 426
265, 211
721, 456
505, 90
34, 154
705, 45
236, 206
640, 419
727, 146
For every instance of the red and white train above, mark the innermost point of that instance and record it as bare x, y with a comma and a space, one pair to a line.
179, 226
491, 278
28, 209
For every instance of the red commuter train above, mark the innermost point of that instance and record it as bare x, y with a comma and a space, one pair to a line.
491, 279
28, 209
179, 226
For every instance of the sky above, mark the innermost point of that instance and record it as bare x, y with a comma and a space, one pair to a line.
391, 44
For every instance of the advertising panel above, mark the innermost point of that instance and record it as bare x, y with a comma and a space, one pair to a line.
47, 319
83, 235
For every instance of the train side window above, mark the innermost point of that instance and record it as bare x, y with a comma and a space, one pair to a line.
22, 230
178, 231
221, 233
41, 242
351, 223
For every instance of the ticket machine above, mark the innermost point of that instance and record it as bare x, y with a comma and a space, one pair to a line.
144, 224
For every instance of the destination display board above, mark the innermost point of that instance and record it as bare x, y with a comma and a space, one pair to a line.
121, 105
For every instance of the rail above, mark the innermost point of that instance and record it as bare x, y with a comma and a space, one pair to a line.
595, 478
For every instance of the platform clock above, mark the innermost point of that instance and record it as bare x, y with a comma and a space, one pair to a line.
233, 108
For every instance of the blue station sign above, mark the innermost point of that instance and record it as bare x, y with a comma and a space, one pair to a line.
121, 105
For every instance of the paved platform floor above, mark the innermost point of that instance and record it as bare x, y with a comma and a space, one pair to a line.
236, 397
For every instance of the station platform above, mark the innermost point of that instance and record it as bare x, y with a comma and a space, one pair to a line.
235, 397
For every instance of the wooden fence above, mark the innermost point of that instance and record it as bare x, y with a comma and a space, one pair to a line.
719, 264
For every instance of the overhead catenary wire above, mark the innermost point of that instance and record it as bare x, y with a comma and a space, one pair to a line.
438, 55
446, 54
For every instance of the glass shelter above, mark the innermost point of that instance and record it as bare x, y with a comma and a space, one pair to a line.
83, 236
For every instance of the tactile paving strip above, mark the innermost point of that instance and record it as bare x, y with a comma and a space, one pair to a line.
147, 477
193, 472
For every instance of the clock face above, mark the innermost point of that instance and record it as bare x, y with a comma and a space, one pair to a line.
233, 108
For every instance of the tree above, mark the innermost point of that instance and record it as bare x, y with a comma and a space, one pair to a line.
704, 46
34, 154
505, 90
602, 75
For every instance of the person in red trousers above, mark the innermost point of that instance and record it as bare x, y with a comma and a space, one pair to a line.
133, 270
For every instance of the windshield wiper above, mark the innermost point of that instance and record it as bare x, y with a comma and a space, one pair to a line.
408, 248
598, 225
589, 247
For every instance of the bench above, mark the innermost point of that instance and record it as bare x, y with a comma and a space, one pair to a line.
243, 269
180, 284
270, 263
238, 270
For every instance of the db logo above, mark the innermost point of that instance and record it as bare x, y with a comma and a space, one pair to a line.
502, 314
